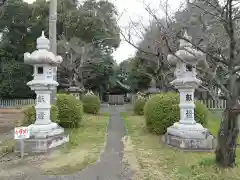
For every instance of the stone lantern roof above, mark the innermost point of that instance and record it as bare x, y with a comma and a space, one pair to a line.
75, 89
186, 52
42, 55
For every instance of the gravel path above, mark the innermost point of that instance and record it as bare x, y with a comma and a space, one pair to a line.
110, 166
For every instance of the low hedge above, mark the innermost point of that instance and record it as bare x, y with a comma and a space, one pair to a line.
91, 104
70, 111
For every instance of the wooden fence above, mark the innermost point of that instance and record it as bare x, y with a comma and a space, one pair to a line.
219, 105
213, 105
116, 99
113, 99
16, 103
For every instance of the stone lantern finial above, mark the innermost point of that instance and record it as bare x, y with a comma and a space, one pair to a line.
43, 42
184, 43
42, 55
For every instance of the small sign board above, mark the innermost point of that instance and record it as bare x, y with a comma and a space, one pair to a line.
21, 133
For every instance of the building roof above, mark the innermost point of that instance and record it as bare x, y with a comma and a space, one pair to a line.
123, 85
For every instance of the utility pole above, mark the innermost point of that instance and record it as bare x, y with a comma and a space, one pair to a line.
53, 40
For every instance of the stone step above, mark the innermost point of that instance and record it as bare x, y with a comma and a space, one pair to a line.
36, 145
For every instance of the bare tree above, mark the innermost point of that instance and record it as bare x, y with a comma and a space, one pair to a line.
215, 29
152, 53
217, 26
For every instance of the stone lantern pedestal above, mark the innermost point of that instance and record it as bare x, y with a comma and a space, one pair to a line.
45, 134
187, 134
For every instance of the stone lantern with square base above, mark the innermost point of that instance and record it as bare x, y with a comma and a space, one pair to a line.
45, 134
187, 134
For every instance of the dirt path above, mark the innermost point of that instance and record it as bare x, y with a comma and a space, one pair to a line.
111, 165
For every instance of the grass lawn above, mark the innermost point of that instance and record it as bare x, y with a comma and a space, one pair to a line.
156, 161
84, 147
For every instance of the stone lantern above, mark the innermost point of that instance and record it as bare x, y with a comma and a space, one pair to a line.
75, 91
187, 134
152, 89
45, 134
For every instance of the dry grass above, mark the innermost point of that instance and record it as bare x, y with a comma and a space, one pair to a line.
6, 147
9, 118
11, 110
83, 149
130, 159
160, 162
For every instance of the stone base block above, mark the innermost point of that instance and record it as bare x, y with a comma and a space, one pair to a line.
192, 138
41, 145
45, 130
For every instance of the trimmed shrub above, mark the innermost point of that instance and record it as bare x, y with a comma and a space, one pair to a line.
30, 115
61, 91
162, 110
139, 106
91, 104
201, 113
70, 111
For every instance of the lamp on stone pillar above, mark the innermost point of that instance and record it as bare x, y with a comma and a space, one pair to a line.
50, 134
75, 91
187, 134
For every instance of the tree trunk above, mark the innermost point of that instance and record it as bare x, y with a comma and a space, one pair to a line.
227, 136
100, 93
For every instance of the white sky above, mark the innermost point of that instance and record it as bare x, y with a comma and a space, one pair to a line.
135, 10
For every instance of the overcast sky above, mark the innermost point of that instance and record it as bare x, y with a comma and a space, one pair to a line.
136, 10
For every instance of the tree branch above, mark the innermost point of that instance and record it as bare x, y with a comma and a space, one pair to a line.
135, 46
